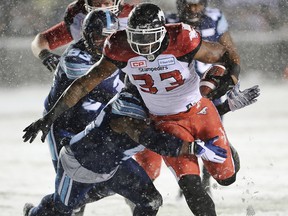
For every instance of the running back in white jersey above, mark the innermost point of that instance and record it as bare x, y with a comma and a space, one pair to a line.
166, 85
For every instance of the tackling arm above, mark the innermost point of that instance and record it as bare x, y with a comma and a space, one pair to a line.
169, 145
78, 89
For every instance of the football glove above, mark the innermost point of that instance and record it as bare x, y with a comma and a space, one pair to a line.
238, 99
208, 151
50, 60
32, 130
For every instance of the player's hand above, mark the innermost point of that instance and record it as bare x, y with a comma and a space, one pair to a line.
49, 59
208, 151
238, 99
32, 130
225, 83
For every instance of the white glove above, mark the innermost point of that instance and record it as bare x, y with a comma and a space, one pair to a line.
208, 151
238, 99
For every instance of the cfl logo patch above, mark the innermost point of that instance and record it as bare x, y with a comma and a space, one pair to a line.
138, 64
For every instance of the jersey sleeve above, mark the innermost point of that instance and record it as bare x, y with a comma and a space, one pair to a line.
184, 40
58, 35
222, 25
76, 63
72, 10
117, 50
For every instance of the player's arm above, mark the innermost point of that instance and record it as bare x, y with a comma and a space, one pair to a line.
78, 89
227, 41
48, 40
169, 145
166, 144
211, 52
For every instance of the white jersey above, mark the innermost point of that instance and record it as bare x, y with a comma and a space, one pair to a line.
176, 85
169, 83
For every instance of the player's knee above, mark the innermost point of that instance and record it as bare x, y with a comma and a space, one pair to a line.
190, 185
228, 181
236, 159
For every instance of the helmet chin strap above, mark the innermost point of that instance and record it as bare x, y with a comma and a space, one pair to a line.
151, 57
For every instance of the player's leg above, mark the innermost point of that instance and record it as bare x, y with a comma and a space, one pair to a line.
72, 195
151, 162
209, 126
187, 172
133, 183
196, 197
47, 207
54, 139
186, 168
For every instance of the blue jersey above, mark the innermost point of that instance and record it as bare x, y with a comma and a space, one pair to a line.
95, 154
212, 26
74, 63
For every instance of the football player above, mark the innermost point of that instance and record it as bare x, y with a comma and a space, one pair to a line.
70, 28
101, 157
75, 62
158, 60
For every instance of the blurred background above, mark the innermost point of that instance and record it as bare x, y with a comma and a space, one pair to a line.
259, 29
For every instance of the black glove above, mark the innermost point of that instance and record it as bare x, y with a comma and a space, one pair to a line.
50, 60
32, 130
225, 83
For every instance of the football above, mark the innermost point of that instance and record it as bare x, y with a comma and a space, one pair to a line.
207, 84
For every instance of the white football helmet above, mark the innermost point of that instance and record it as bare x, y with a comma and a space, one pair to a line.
114, 8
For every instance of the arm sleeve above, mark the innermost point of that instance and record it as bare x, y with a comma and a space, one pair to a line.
222, 25
58, 35
160, 142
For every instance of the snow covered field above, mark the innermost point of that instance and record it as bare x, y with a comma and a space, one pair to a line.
258, 132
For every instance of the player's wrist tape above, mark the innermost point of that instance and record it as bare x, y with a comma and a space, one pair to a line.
196, 148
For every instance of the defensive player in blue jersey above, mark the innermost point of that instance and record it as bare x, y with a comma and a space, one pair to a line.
75, 62
101, 157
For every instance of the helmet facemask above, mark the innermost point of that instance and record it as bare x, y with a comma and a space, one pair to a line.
189, 15
145, 41
97, 25
114, 8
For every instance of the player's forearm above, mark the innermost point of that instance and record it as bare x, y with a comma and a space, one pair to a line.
232, 65
161, 143
223, 108
68, 99
38, 44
